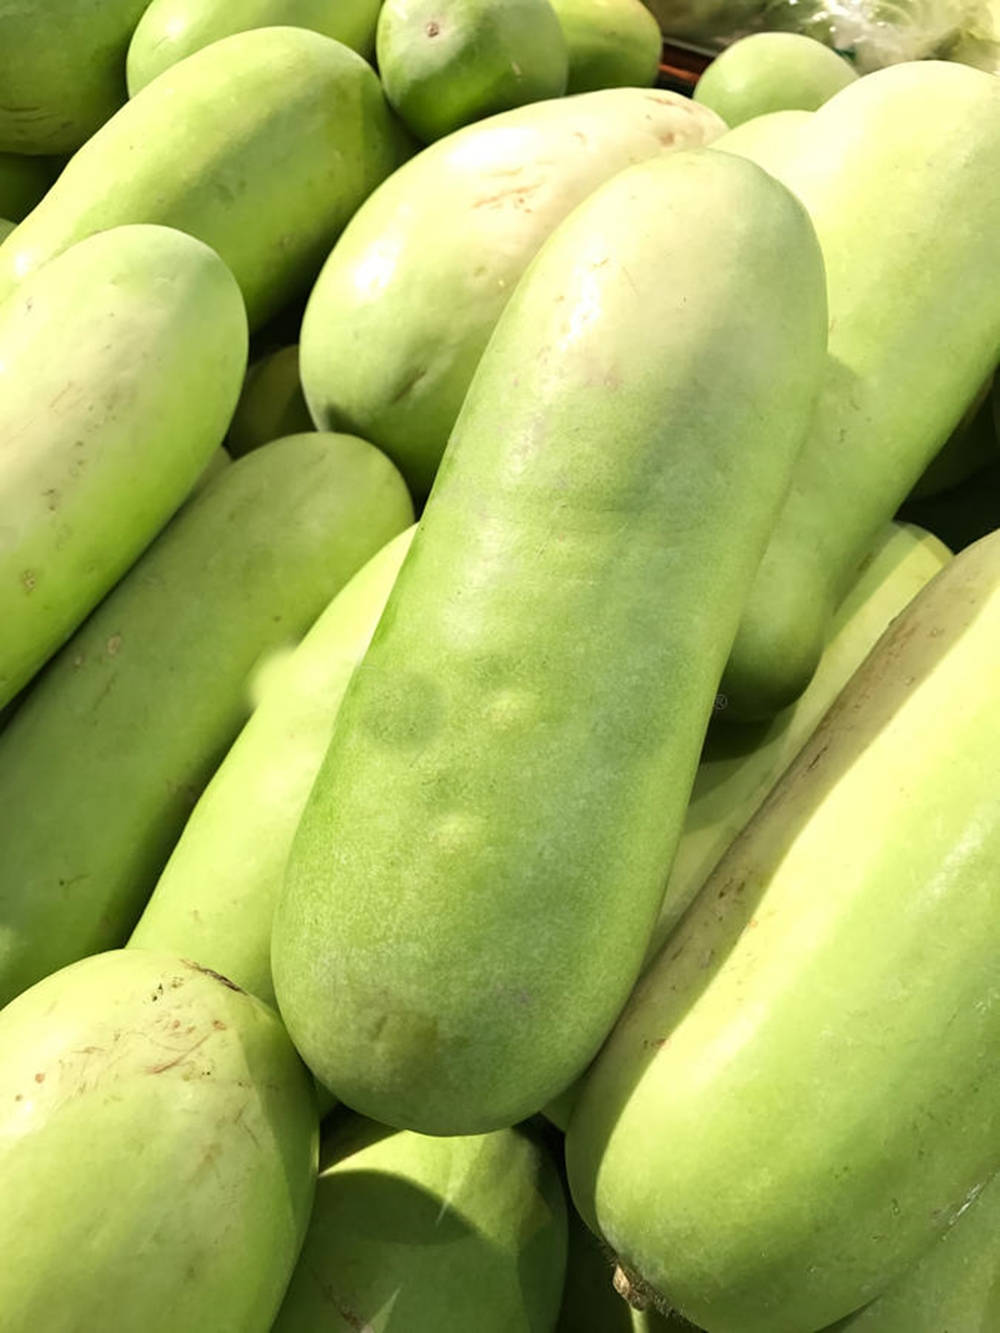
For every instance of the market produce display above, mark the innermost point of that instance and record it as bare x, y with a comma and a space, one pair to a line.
500, 602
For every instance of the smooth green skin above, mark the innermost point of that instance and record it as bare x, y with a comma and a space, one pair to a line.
215, 900
171, 30
263, 146
444, 65
801, 1094
611, 43
271, 404
972, 446
150, 693
898, 172
533, 774
405, 306
158, 1147
953, 1288
23, 181
740, 764
963, 515
772, 71
411, 1234
62, 70
120, 365
769, 140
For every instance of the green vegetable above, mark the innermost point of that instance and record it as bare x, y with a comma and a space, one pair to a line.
170, 30
406, 304
443, 66
769, 140
495, 770
120, 363
271, 404
954, 1285
102, 762
801, 1094
157, 1151
62, 70
215, 899
411, 1234
263, 146
612, 43
898, 173
772, 71
740, 764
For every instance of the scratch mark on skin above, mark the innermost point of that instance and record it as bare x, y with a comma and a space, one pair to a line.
179, 1059
238, 1120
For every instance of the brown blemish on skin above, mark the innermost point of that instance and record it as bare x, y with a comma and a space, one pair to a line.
39, 1078
113, 645
29, 580
179, 1059
210, 972
433, 28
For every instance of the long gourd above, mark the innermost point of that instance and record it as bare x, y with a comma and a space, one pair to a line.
407, 301
898, 172
102, 762
170, 30
158, 1152
262, 146
215, 899
802, 1092
120, 366
496, 769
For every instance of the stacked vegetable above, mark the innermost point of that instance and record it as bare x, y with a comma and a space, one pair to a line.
479, 671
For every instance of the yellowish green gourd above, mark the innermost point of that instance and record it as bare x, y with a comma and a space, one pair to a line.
446, 65
801, 1094
170, 30
120, 364
158, 1149
772, 71
494, 770
612, 43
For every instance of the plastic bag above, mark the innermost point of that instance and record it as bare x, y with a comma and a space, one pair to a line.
872, 33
